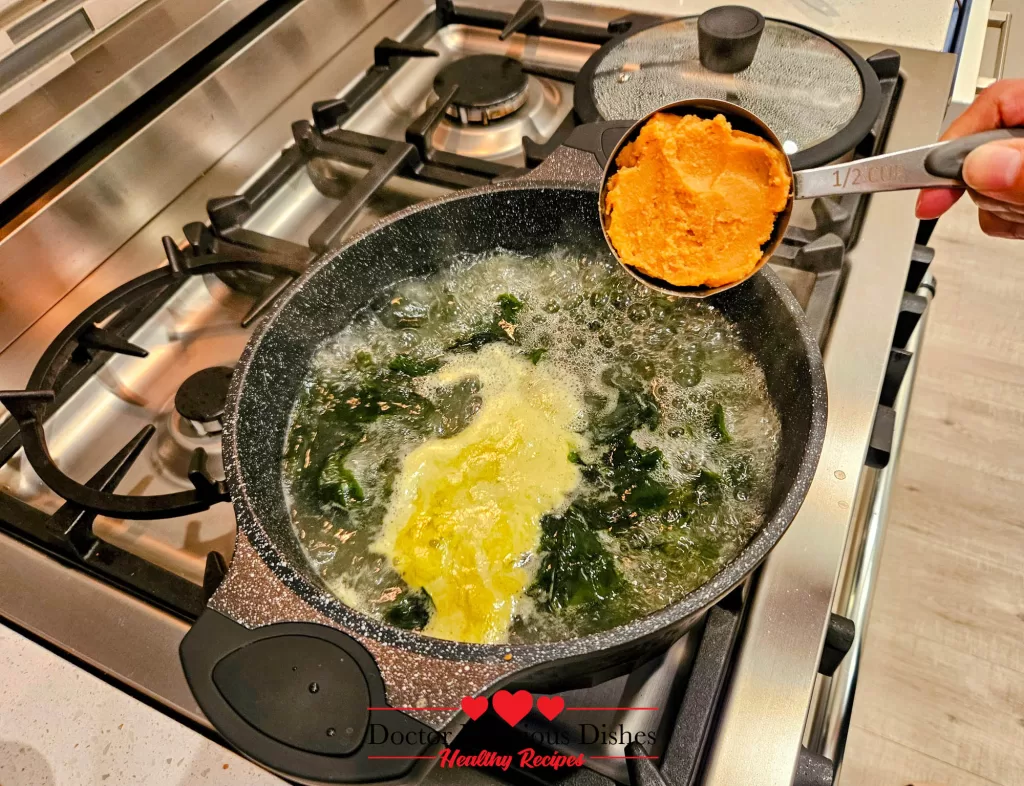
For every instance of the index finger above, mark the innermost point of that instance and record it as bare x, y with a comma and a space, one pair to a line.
999, 106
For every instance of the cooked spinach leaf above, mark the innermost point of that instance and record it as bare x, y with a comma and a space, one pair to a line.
509, 307
456, 406
412, 367
719, 429
502, 326
332, 419
707, 488
635, 408
411, 611
576, 567
481, 338
337, 485
363, 361
628, 470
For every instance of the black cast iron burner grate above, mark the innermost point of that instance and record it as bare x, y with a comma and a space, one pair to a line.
79, 348
82, 335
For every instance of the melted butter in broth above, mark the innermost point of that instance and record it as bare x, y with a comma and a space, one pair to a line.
464, 516
528, 449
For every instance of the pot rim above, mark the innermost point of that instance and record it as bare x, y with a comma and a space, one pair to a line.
250, 524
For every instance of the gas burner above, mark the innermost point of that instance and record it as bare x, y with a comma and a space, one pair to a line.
547, 104
489, 87
201, 398
196, 422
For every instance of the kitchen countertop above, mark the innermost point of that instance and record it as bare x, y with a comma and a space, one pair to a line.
922, 24
62, 726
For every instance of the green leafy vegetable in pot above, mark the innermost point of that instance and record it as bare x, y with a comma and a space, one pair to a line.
502, 326
718, 425
576, 567
412, 367
668, 461
411, 611
338, 486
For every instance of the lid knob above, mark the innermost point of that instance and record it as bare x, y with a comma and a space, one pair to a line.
727, 37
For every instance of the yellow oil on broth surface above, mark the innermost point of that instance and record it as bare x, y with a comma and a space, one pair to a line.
465, 514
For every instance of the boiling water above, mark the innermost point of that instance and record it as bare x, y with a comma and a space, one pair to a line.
528, 449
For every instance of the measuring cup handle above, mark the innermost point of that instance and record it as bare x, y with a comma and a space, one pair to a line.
947, 160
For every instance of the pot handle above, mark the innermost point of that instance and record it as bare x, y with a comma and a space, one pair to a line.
302, 699
583, 155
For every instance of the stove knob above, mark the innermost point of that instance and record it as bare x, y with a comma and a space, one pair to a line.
920, 259
201, 399
839, 637
880, 444
912, 308
727, 37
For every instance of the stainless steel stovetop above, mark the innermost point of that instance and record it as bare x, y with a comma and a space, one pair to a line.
230, 129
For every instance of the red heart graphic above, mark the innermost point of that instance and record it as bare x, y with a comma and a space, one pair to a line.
474, 707
550, 706
512, 707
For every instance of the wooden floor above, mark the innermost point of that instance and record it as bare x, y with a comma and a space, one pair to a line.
941, 693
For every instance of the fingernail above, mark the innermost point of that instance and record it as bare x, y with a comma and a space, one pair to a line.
917, 207
992, 167
924, 209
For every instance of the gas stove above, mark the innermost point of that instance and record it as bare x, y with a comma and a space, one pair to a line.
131, 363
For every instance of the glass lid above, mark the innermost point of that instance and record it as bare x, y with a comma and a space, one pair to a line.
801, 84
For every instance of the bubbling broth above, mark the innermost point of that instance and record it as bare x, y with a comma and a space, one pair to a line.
528, 449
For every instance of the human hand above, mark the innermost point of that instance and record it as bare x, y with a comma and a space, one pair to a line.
993, 173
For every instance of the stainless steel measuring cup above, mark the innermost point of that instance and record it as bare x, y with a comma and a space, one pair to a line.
940, 164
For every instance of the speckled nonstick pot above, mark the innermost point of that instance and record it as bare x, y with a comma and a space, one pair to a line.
294, 678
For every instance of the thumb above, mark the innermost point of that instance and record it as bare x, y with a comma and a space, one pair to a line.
996, 170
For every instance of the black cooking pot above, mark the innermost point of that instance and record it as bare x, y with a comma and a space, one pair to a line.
304, 684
